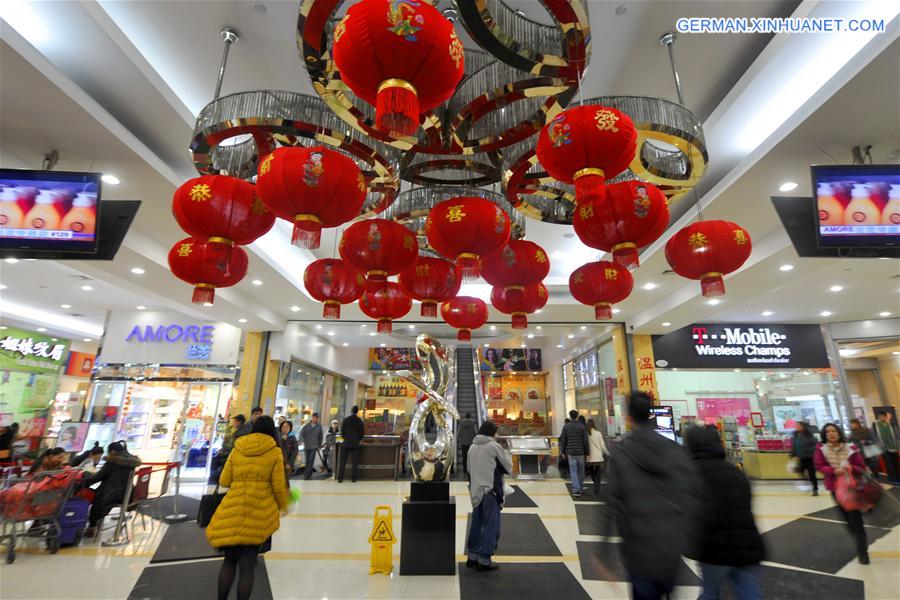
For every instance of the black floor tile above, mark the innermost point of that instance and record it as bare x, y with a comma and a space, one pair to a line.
814, 545
603, 561
522, 535
520, 581
192, 581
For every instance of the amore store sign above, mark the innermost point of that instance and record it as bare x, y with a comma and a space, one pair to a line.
734, 345
199, 338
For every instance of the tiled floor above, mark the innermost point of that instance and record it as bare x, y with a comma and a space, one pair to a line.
321, 550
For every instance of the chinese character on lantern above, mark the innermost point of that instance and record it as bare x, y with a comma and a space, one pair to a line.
408, 242
266, 165
697, 240
610, 273
606, 120
201, 192
586, 211
455, 214
422, 270
185, 249
740, 237
258, 207
540, 256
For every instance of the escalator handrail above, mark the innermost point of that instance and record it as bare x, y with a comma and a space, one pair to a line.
480, 407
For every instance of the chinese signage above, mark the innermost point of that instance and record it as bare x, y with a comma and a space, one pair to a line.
510, 359
727, 345
32, 352
393, 359
80, 364
643, 368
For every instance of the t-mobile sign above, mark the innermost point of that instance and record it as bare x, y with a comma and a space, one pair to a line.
733, 345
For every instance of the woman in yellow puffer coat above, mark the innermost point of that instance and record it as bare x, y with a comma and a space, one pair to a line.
248, 515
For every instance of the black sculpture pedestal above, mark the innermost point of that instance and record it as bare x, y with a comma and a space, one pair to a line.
428, 540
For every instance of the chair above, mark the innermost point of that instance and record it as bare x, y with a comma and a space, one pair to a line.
140, 493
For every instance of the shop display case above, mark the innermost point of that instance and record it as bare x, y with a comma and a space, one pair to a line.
530, 455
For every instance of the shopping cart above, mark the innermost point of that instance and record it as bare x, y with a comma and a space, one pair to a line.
30, 508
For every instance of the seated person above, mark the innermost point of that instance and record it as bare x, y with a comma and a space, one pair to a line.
113, 478
89, 459
52, 459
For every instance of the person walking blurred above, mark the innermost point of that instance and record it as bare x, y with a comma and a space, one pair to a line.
885, 431
290, 448
574, 446
353, 430
651, 491
466, 432
836, 458
487, 462
862, 437
312, 435
803, 446
249, 513
596, 455
726, 542
331, 434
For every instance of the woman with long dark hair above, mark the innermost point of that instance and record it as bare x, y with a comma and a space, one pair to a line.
50, 459
249, 513
836, 458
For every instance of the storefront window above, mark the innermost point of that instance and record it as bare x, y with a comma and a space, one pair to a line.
517, 403
594, 375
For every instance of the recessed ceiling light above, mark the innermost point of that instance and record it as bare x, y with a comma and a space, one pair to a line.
412, 326
539, 311
616, 311
786, 268
382, 344
42, 329
559, 345
242, 320
666, 324
895, 353
319, 326
141, 307
2, 287
110, 179
835, 288
713, 302
571, 336
138, 271
256, 282
87, 340
539, 327
372, 334
86, 288
530, 336
330, 333
295, 308
826, 313
583, 327
493, 327
767, 313
884, 313
650, 286
11, 261
345, 344
207, 304
522, 344
54, 339
66, 306
3, 327
487, 345
787, 186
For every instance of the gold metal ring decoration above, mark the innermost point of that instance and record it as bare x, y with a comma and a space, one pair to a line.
423, 168
262, 120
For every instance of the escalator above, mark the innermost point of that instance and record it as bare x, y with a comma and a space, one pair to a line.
468, 394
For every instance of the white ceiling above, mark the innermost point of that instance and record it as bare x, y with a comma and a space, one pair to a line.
133, 117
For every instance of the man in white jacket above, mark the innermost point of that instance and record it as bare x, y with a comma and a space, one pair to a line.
488, 462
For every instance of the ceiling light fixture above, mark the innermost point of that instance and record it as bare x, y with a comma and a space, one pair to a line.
319, 326
571, 336
650, 286
141, 307
11, 261
42, 329
539, 327
2, 287
110, 179
835, 288
787, 186
330, 333
382, 344
616, 311
87, 340
207, 304
713, 302
242, 320
295, 308
767, 313
138, 270
583, 327
493, 327
559, 345
786, 268
87, 288
256, 282
530, 336
826, 313
666, 324
884, 313
345, 344
66, 306
372, 334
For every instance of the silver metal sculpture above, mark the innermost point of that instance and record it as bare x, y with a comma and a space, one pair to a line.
431, 460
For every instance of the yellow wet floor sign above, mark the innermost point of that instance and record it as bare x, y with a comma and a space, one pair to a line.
382, 540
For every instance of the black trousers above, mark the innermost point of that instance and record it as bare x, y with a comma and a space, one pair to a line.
857, 530
809, 468
465, 457
353, 453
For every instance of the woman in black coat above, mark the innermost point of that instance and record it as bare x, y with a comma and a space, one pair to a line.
727, 544
113, 478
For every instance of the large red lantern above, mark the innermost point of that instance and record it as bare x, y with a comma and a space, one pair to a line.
632, 215
587, 145
431, 281
465, 313
534, 298
223, 210
519, 264
313, 188
203, 265
332, 282
385, 305
601, 284
379, 248
402, 56
707, 251
467, 230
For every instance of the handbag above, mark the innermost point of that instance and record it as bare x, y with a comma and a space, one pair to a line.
870, 491
208, 505
793, 465
871, 450
854, 493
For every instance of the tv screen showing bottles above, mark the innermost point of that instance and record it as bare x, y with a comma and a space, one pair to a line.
49, 210
857, 205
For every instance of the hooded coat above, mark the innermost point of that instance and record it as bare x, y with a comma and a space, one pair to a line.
113, 477
487, 463
254, 476
652, 495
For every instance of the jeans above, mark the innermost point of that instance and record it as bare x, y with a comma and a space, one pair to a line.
310, 458
465, 457
353, 453
807, 467
857, 530
647, 589
596, 471
485, 531
744, 581
576, 468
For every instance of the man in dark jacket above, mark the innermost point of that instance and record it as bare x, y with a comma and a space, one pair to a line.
352, 431
651, 494
575, 446
466, 433
726, 541
113, 476
311, 434
803, 446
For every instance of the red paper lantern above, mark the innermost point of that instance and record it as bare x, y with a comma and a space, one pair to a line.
534, 298
707, 251
587, 145
203, 265
601, 284
402, 56
632, 215
465, 313
518, 265
223, 210
385, 305
332, 282
312, 188
467, 230
431, 281
379, 248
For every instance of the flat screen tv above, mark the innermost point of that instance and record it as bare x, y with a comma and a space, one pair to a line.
49, 210
857, 205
